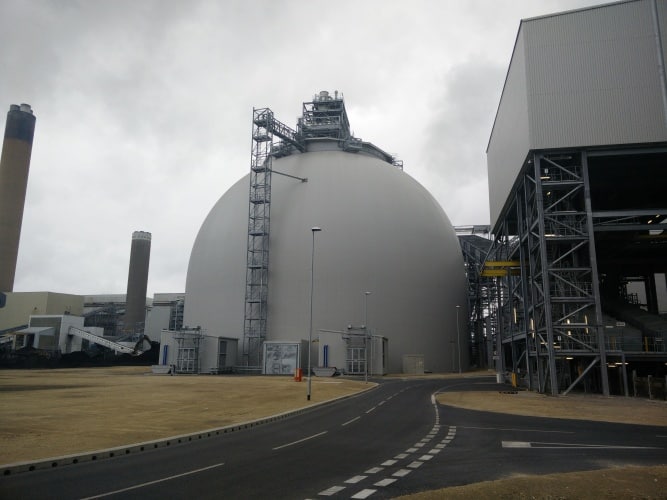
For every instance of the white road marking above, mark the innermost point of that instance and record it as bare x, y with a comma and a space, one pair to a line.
149, 483
521, 430
331, 491
573, 446
411, 450
385, 482
300, 440
402, 473
401, 456
368, 411
374, 470
516, 444
426, 457
415, 464
435, 451
363, 493
389, 463
355, 479
441, 446
350, 421
418, 445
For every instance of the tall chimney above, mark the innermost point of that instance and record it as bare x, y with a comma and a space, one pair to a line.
14, 166
137, 281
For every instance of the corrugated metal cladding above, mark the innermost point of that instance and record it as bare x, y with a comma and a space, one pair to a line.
509, 139
592, 78
662, 21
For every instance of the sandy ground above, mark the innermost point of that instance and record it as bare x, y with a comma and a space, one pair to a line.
575, 406
47, 413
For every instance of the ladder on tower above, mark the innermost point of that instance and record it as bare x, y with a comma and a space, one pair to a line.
264, 130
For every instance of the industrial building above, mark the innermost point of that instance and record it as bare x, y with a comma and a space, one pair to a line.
577, 181
364, 264
52, 324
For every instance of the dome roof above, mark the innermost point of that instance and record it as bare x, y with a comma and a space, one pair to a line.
381, 232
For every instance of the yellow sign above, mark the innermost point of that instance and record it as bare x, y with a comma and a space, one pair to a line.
500, 268
502, 263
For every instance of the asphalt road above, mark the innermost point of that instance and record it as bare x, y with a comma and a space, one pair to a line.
389, 441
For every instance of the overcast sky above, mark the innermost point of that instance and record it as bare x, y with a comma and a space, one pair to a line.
144, 110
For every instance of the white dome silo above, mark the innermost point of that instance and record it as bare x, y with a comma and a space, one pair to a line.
381, 232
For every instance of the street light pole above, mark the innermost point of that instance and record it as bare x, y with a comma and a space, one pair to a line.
458, 336
310, 327
366, 294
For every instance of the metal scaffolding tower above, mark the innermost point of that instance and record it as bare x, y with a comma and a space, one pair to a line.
481, 291
549, 309
265, 129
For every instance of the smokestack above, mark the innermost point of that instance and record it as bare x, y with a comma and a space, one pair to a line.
14, 166
137, 281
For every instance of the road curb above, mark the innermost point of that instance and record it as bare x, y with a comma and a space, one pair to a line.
119, 451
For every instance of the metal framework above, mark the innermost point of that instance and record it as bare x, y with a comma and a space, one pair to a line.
549, 321
187, 357
481, 295
265, 129
564, 249
323, 118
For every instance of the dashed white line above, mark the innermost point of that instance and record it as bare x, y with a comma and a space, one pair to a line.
331, 491
300, 440
363, 493
367, 492
149, 483
350, 421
